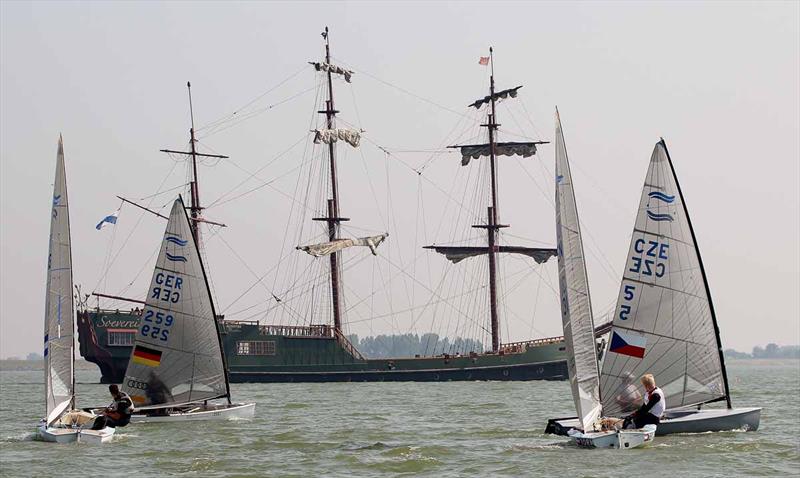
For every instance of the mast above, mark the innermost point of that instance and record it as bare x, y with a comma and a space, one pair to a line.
705, 279
194, 196
492, 216
333, 218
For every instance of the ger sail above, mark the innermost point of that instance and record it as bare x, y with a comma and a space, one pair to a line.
59, 322
576, 306
177, 364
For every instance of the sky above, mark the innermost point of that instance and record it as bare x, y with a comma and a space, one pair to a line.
719, 81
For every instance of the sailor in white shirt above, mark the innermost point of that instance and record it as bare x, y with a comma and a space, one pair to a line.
654, 405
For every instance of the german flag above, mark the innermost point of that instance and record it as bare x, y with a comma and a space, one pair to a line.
146, 356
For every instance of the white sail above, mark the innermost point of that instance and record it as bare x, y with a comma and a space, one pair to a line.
576, 307
327, 248
59, 318
177, 356
664, 321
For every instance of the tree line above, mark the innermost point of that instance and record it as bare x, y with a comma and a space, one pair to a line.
771, 351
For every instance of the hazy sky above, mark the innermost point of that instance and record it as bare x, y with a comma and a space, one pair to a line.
718, 81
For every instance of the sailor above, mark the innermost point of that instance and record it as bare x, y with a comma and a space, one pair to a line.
118, 413
653, 408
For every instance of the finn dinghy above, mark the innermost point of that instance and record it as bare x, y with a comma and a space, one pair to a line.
177, 366
576, 315
665, 322
63, 424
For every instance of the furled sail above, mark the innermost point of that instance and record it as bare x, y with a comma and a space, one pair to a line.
475, 151
348, 74
576, 306
664, 322
512, 92
457, 254
177, 356
59, 318
327, 248
328, 136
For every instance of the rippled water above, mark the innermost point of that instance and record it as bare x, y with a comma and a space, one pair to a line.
387, 429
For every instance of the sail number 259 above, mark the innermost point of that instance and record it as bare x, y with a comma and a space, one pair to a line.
158, 326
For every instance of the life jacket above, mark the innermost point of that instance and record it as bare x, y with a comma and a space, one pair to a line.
660, 406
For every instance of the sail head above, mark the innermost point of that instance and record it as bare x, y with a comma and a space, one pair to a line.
576, 307
663, 321
177, 356
59, 321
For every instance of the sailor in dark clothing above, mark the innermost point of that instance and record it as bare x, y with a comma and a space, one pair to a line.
652, 409
118, 413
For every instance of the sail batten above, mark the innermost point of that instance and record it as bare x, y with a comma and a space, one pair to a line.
177, 355
576, 306
59, 321
663, 321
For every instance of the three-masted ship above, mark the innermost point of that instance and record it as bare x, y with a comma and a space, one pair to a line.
258, 352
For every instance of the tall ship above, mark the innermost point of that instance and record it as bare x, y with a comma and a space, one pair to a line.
310, 344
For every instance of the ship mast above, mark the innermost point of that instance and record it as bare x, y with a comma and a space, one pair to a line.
492, 150
194, 205
492, 217
333, 218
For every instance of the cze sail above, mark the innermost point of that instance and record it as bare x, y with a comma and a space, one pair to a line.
664, 322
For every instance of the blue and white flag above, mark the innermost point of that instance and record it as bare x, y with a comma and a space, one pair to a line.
110, 219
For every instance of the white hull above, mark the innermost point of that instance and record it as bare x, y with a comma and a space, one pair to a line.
74, 426
57, 434
686, 421
622, 439
200, 412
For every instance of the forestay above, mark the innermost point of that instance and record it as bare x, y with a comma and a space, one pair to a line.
177, 356
576, 307
59, 320
664, 321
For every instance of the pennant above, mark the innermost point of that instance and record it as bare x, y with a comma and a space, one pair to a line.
110, 219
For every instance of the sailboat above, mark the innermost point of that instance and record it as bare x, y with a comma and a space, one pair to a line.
177, 366
577, 320
62, 423
665, 323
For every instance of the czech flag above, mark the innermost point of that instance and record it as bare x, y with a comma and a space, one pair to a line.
625, 343
146, 356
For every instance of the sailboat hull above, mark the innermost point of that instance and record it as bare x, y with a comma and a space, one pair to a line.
198, 413
57, 434
684, 421
622, 439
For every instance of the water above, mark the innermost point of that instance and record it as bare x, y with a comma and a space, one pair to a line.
389, 429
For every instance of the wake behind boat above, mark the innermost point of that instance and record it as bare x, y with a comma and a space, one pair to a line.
665, 322
177, 366
62, 423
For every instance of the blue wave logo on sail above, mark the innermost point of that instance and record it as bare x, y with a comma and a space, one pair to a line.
175, 258
176, 240
56, 200
660, 217
662, 197
559, 178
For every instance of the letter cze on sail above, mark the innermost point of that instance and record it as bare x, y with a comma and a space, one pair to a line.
177, 356
664, 322
59, 321
576, 305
